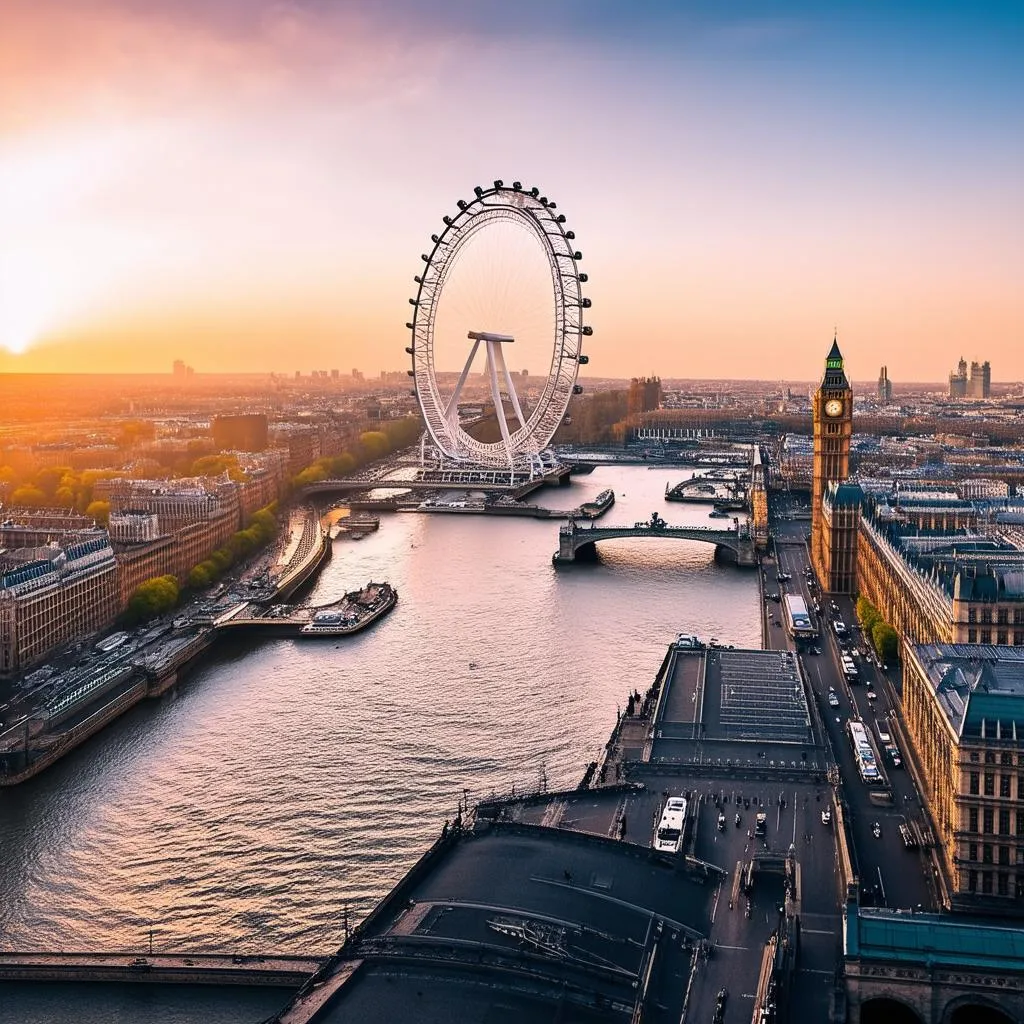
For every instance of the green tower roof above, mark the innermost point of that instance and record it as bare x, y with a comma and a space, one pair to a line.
834, 378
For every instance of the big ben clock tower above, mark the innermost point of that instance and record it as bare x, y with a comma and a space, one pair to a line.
833, 428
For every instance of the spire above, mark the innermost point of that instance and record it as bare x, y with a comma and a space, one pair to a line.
834, 355
835, 377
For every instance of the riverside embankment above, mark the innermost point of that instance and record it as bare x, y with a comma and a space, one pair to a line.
100, 686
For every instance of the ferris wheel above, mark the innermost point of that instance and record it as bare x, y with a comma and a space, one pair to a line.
502, 277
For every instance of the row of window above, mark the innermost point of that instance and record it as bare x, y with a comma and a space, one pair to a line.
984, 636
1001, 881
991, 854
1005, 757
987, 820
1002, 616
988, 785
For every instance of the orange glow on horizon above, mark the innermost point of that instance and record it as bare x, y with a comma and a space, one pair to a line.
249, 186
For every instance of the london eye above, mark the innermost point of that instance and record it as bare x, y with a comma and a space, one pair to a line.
500, 291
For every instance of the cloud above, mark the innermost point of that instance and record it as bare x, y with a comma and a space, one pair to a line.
105, 60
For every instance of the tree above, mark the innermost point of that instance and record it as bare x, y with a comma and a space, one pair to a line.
99, 510
29, 496
886, 641
153, 597
867, 614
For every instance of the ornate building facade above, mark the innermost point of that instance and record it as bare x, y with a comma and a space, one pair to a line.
963, 707
833, 429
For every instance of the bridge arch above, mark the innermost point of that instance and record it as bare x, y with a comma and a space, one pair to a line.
885, 1010
975, 1009
574, 540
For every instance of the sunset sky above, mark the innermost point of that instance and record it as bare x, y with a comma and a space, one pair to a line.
248, 184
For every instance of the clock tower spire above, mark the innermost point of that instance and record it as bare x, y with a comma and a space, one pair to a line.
833, 429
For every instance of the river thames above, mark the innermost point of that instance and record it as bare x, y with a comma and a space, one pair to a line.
284, 781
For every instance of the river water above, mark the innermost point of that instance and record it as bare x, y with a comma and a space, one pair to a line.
285, 781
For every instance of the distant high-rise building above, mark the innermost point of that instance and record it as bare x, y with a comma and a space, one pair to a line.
644, 395
180, 370
958, 380
980, 383
884, 387
357, 374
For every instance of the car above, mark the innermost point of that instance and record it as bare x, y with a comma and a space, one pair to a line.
721, 822
833, 699
871, 695
140, 963
876, 830
826, 816
784, 577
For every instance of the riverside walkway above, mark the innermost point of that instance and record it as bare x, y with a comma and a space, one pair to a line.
178, 968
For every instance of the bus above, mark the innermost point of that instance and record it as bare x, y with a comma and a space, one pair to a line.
798, 621
669, 837
863, 753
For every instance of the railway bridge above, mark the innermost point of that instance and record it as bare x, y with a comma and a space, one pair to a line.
574, 539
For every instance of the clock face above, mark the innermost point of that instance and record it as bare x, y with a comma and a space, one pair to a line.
833, 407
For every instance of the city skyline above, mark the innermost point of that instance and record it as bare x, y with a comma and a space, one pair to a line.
245, 186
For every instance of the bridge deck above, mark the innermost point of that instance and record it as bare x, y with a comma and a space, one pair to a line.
194, 968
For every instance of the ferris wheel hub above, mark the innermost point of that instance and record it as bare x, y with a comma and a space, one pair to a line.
498, 339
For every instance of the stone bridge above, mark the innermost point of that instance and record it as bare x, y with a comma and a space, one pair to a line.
574, 539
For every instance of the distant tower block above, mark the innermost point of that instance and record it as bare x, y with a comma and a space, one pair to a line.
884, 387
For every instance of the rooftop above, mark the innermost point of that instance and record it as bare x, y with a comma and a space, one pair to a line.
980, 687
878, 934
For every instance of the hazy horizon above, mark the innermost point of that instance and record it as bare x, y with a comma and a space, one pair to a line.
247, 186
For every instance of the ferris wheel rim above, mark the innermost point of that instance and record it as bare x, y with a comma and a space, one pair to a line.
526, 208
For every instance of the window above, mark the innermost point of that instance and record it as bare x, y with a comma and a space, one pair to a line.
973, 785
972, 820
1020, 787
972, 615
986, 615
1020, 823
972, 881
986, 636
1006, 757
972, 851
1001, 637
990, 758
986, 853
1002, 617
1004, 884
986, 882
986, 826
1018, 616
1004, 785
972, 636
1004, 856
974, 756
990, 783
1004, 823
1018, 638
